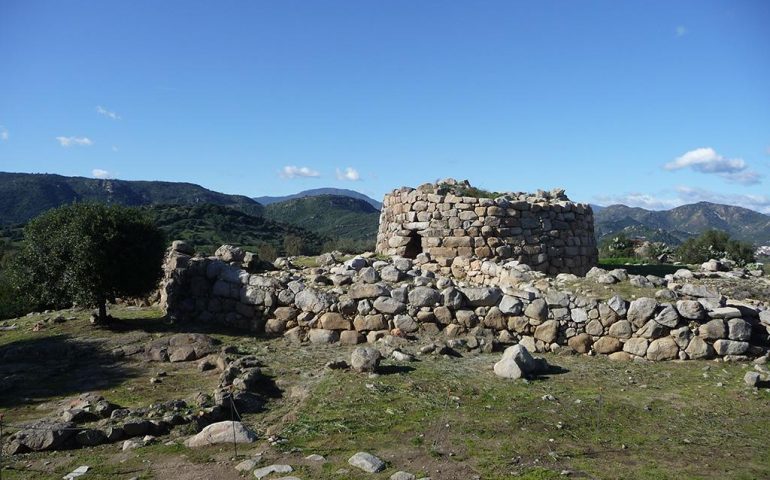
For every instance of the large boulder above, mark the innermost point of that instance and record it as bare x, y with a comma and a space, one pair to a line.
548, 331
516, 363
365, 359
44, 435
691, 309
663, 349
222, 432
311, 300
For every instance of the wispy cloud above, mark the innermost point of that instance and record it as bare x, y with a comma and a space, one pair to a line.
291, 171
681, 31
3, 134
99, 173
683, 195
107, 113
350, 174
74, 141
707, 160
638, 199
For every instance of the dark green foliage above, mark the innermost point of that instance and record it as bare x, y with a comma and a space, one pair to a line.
618, 246
340, 219
26, 195
715, 244
465, 191
87, 254
207, 227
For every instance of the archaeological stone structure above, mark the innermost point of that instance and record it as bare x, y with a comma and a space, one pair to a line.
472, 305
451, 219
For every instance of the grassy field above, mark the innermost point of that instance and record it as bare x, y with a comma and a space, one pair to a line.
439, 417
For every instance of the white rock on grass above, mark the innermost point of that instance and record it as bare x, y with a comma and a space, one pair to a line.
221, 432
367, 462
277, 468
247, 465
402, 476
516, 363
315, 458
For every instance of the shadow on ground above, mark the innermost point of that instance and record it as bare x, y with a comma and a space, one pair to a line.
37, 369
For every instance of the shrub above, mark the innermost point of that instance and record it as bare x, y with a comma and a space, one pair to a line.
715, 244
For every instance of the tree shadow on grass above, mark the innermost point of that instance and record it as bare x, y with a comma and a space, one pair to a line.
37, 369
162, 325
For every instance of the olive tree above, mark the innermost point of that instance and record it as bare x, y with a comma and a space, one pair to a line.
88, 254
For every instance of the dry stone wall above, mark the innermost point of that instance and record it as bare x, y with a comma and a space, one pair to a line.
544, 230
365, 299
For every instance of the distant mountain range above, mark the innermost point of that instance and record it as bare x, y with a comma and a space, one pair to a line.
340, 192
676, 225
26, 195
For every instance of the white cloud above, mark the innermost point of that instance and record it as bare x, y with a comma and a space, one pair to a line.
70, 141
290, 171
642, 200
107, 113
3, 134
707, 160
681, 31
99, 173
349, 173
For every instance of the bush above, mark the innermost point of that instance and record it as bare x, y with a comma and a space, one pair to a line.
87, 254
715, 244
619, 246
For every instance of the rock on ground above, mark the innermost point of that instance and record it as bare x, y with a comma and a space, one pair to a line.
277, 468
365, 359
367, 462
222, 432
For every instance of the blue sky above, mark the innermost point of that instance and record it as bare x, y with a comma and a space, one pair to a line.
645, 103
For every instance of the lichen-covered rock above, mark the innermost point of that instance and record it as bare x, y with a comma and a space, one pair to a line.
365, 359
663, 349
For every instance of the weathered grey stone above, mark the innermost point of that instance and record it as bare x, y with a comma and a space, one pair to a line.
691, 309
452, 298
698, 348
368, 275
537, 310
482, 296
663, 349
738, 329
311, 300
365, 359
263, 472
636, 346
510, 305
699, 291
366, 323
751, 378
595, 328
358, 291
495, 319
367, 462
607, 345
322, 336
730, 347
713, 330
547, 332
391, 274
651, 329
405, 323
389, 305
621, 329
222, 432
618, 304
641, 310
424, 297
668, 316
579, 315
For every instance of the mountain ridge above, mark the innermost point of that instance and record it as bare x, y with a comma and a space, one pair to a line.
314, 192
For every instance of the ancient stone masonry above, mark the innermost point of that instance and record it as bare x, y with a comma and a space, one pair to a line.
475, 305
544, 230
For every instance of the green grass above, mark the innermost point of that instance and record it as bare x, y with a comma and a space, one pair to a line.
449, 419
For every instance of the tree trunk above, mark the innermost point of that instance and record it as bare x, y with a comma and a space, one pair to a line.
102, 310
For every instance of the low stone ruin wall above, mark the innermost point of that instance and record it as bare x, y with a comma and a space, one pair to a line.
545, 230
366, 299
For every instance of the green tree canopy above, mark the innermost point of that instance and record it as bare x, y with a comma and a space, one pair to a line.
715, 244
88, 254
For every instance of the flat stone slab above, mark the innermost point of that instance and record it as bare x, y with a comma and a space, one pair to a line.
277, 468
